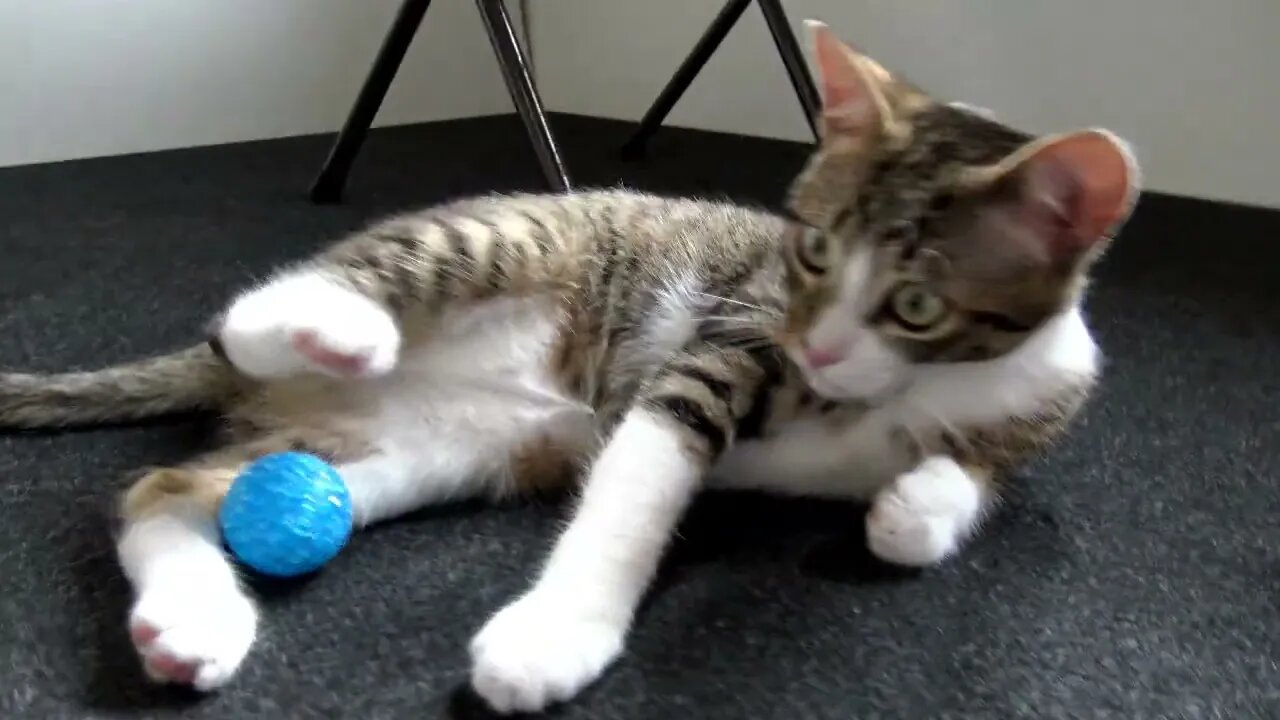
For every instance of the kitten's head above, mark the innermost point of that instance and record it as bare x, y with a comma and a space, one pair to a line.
931, 234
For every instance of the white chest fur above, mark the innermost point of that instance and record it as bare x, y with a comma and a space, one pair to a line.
811, 457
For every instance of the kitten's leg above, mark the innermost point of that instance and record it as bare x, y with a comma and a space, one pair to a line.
192, 622
394, 481
307, 321
559, 636
926, 514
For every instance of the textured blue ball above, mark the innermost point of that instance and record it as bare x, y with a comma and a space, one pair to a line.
287, 514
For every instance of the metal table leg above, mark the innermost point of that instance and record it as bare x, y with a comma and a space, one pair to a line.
688, 70
788, 49
328, 185
793, 59
515, 71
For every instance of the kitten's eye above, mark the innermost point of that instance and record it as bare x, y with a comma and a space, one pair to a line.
917, 308
813, 251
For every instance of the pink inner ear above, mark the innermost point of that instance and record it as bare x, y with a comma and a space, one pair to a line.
847, 102
1077, 189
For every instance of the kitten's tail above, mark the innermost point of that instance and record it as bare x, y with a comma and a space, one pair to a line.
190, 379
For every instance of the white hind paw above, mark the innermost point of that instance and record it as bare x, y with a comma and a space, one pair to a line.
306, 322
196, 636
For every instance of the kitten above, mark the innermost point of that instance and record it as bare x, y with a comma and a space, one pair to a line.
913, 334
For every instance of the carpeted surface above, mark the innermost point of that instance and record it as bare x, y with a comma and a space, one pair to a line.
1134, 576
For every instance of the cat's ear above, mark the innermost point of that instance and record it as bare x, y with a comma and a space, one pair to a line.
854, 106
1070, 191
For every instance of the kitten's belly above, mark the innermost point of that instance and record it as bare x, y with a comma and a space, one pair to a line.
808, 457
482, 377
485, 369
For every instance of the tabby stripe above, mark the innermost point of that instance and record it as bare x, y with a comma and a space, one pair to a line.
622, 303
1003, 323
519, 261
513, 238
405, 238
722, 390
604, 302
941, 203
756, 419
459, 263
543, 237
711, 330
365, 272
413, 264
954, 446
399, 271
500, 256
727, 287
874, 178
747, 267
602, 293
215, 345
753, 423
612, 240
841, 218
400, 263
499, 271
460, 248
693, 416
740, 335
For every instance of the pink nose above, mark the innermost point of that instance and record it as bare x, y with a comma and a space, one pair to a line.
818, 358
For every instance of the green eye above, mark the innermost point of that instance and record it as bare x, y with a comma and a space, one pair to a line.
917, 308
812, 251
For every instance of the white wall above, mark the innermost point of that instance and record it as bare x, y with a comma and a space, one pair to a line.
1194, 84
81, 78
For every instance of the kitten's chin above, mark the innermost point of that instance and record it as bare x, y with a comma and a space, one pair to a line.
843, 382
824, 389
867, 390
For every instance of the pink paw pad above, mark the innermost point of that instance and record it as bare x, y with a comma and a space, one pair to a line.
143, 634
309, 345
172, 670
161, 666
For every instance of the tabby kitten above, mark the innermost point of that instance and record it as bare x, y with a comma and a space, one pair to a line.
913, 333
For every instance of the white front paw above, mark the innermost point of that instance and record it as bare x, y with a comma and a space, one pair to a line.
306, 322
194, 636
924, 515
538, 651
900, 534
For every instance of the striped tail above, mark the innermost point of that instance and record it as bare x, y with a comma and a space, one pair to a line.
190, 379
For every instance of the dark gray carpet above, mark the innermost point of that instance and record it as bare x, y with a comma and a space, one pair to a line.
1135, 576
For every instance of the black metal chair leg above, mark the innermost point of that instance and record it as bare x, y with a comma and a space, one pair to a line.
688, 70
520, 84
328, 185
793, 59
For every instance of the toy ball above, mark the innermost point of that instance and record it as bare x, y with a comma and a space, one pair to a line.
286, 514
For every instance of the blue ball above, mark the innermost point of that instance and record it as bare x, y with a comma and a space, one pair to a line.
286, 515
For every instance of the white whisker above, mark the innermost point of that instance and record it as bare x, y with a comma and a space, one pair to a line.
730, 318
731, 301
